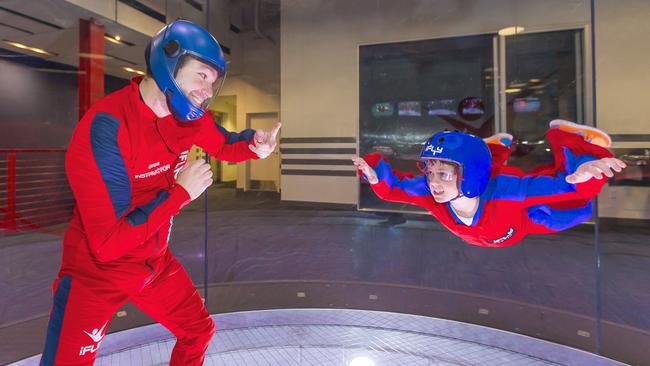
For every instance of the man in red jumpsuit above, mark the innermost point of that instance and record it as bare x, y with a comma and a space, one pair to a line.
469, 188
126, 166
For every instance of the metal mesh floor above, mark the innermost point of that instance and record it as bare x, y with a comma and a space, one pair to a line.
336, 337
328, 345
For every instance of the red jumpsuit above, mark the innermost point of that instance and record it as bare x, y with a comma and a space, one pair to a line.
121, 165
514, 204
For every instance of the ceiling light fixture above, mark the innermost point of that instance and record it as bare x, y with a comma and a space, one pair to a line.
511, 31
112, 39
117, 40
95, 56
29, 48
133, 71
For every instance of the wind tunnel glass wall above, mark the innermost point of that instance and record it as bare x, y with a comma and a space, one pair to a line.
402, 84
624, 237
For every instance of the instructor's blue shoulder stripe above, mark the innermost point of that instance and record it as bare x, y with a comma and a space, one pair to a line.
233, 137
141, 213
103, 140
56, 321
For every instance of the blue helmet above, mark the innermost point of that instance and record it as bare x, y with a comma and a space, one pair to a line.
470, 152
165, 51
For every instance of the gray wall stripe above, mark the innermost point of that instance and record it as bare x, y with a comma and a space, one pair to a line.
324, 150
302, 140
331, 173
318, 161
631, 137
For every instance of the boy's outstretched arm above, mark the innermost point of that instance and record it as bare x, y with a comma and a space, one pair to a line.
582, 181
389, 185
368, 172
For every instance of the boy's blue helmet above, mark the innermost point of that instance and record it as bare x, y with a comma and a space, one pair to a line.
470, 152
165, 51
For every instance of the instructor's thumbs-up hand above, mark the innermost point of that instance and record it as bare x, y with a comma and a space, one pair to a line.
265, 142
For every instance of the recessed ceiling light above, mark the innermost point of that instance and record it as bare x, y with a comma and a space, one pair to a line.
16, 44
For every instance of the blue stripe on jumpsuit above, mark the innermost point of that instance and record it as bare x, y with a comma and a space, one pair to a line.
56, 321
103, 140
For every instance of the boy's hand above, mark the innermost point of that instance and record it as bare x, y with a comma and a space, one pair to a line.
596, 169
367, 171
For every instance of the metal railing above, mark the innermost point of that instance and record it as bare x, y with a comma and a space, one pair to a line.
34, 190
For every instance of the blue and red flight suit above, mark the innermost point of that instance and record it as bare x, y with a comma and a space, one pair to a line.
514, 204
121, 165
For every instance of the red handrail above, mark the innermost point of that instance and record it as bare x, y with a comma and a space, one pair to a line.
10, 215
54, 149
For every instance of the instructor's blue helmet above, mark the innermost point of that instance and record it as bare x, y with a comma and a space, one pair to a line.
470, 152
164, 54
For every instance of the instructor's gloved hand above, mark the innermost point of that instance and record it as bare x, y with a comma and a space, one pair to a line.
265, 142
195, 177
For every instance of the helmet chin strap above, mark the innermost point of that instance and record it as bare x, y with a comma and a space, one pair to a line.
460, 194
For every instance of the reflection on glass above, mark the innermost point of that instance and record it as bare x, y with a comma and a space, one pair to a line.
526, 105
433, 84
442, 107
637, 172
409, 109
382, 110
543, 83
471, 108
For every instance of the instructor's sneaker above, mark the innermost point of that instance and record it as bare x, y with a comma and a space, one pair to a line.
590, 134
502, 138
